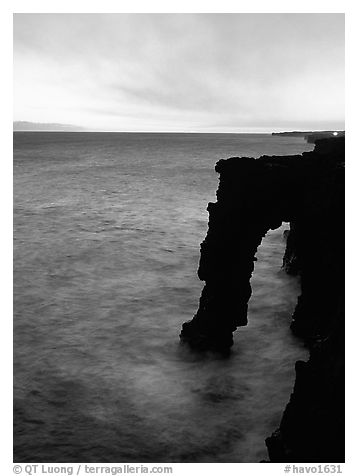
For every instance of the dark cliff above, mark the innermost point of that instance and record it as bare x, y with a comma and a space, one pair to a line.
256, 195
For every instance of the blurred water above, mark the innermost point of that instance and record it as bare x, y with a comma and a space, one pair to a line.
107, 228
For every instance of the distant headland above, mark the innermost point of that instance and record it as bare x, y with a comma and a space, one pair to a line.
311, 136
45, 126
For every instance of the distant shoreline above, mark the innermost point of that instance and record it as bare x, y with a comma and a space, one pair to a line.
306, 133
269, 133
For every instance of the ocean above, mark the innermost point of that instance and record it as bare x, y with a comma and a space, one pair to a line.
107, 233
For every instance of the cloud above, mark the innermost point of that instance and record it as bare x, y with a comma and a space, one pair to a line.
168, 71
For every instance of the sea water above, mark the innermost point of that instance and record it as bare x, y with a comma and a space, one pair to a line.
107, 229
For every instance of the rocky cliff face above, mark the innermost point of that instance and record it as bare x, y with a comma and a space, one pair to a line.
256, 195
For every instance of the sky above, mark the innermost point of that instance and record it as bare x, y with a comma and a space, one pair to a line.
180, 72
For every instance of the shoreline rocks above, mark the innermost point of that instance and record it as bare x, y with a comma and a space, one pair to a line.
254, 196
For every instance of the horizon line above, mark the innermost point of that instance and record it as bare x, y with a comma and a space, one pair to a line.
178, 132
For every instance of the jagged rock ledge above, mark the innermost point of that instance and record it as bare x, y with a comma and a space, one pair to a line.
256, 195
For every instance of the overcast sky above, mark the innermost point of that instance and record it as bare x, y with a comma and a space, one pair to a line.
180, 72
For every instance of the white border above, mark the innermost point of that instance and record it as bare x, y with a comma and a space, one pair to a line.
7, 8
